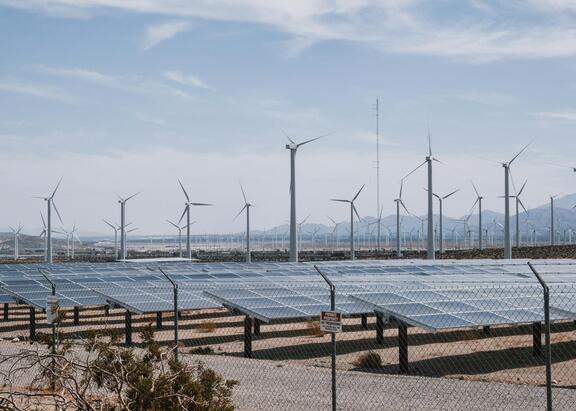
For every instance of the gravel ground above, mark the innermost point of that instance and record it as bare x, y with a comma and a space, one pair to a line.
267, 385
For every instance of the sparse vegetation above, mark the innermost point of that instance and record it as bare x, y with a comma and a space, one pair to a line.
313, 327
202, 351
106, 376
207, 326
369, 360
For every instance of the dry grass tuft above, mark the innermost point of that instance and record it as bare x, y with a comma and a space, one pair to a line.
207, 326
369, 360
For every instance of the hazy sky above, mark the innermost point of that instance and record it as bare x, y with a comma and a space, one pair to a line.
119, 96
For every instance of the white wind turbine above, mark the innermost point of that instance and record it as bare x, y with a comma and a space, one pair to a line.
49, 203
300, 224
246, 207
507, 237
518, 205
115, 228
179, 228
74, 236
335, 231
122, 202
479, 199
186, 213
552, 237
352, 212
293, 147
43, 233
441, 204
16, 233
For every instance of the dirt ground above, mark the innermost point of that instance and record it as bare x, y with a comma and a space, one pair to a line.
504, 355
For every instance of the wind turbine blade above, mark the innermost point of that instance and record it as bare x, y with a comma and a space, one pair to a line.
57, 212
356, 212
522, 204
520, 152
240, 212
435, 195
339, 200
429, 143
173, 224
183, 213
475, 190
56, 189
185, 193
243, 194
413, 171
522, 189
358, 193
201, 204
451, 194
132, 196
11, 229
312, 139
401, 188
114, 228
43, 220
474, 205
303, 221
289, 139
404, 207
438, 161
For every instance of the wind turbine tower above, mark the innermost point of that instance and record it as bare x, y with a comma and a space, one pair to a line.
352, 212
293, 147
49, 203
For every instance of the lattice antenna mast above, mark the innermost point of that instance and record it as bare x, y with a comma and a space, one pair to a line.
378, 171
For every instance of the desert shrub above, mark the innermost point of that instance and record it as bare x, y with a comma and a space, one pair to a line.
368, 360
313, 327
207, 326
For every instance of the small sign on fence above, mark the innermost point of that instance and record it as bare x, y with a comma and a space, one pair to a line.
51, 309
331, 321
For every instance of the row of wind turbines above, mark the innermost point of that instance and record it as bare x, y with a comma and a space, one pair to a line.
295, 227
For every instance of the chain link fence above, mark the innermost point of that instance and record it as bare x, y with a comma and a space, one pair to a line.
468, 346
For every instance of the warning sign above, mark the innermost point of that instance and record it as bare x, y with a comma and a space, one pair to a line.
51, 309
331, 321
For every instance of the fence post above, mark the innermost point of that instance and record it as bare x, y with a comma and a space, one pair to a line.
548, 348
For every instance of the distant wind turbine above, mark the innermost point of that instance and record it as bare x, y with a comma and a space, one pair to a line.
293, 147
440, 202
300, 224
552, 236
246, 207
507, 237
186, 213
479, 199
16, 233
352, 212
49, 203
335, 231
179, 228
122, 202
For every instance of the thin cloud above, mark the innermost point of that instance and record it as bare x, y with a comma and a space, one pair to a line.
159, 33
534, 29
562, 115
36, 90
186, 79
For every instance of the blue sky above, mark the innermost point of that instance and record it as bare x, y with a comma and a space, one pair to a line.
122, 96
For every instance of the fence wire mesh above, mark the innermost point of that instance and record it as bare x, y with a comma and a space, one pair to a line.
468, 346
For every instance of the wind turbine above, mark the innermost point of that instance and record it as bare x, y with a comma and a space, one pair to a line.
518, 204
552, 236
246, 207
479, 199
16, 233
49, 203
115, 228
440, 201
300, 231
507, 238
431, 252
186, 212
179, 235
73, 235
293, 147
43, 233
122, 202
352, 212
313, 233
335, 231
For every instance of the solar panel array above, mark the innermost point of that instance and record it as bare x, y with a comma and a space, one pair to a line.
271, 291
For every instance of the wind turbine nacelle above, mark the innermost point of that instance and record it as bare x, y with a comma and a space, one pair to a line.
291, 146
